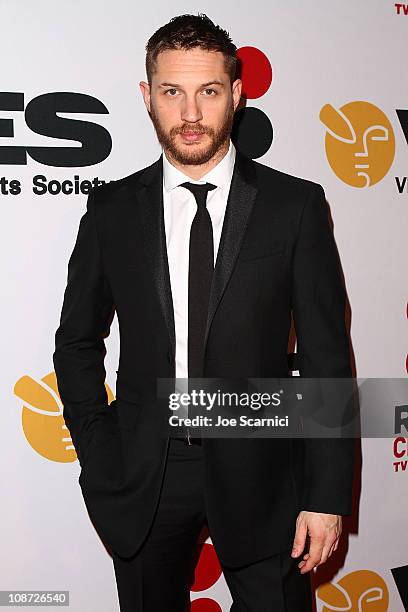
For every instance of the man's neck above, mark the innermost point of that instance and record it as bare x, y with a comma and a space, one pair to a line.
195, 171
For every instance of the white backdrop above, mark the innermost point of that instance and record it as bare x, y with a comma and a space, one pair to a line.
321, 53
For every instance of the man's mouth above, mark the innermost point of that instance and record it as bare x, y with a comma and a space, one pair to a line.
191, 136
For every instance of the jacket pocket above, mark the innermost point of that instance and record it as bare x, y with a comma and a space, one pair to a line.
261, 251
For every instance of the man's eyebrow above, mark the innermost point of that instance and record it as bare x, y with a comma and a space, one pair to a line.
175, 85
216, 82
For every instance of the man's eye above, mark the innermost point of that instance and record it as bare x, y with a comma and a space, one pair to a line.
171, 91
210, 91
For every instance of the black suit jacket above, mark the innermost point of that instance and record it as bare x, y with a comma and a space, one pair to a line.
276, 256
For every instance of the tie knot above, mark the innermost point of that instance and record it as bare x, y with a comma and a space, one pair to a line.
199, 191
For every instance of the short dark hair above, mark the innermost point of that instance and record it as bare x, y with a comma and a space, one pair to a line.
189, 32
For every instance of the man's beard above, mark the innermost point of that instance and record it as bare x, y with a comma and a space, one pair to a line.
191, 156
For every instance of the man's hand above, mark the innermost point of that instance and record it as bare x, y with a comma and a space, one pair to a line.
324, 531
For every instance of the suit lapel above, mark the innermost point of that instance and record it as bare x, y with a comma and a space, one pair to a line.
240, 201
152, 219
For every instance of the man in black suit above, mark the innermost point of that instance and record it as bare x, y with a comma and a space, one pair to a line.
146, 247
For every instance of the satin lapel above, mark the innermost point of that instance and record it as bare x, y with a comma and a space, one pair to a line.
152, 219
240, 201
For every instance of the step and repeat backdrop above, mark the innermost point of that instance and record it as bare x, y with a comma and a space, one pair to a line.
327, 100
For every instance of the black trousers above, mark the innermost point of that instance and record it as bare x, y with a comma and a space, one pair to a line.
159, 577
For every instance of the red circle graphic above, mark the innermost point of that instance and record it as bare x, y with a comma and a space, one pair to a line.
208, 569
204, 604
255, 71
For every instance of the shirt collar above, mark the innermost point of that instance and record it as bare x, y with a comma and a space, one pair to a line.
220, 175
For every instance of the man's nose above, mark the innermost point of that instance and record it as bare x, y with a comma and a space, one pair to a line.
191, 110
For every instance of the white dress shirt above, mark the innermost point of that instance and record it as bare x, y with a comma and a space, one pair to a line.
180, 208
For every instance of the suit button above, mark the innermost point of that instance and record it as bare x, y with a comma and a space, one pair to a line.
170, 358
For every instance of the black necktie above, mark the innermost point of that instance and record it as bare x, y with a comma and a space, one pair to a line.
200, 271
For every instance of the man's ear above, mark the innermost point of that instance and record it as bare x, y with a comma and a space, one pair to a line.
236, 92
145, 89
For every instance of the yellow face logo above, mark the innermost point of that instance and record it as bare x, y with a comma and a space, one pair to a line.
358, 591
360, 142
42, 420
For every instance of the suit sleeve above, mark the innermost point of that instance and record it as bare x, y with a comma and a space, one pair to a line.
318, 301
86, 315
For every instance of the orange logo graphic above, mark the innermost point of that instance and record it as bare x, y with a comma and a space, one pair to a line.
42, 420
360, 142
358, 591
